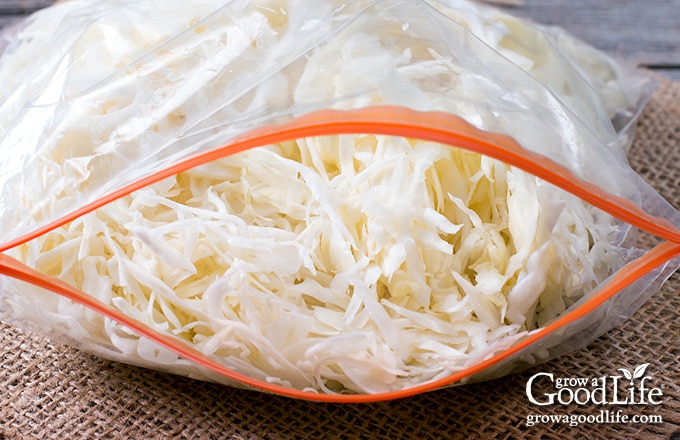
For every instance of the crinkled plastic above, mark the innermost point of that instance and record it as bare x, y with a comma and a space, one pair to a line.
300, 177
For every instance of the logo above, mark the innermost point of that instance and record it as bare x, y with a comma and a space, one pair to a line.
631, 387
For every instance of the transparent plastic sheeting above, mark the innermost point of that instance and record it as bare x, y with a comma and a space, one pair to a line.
352, 201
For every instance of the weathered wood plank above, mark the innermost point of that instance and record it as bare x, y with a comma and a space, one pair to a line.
672, 73
13, 7
8, 20
646, 33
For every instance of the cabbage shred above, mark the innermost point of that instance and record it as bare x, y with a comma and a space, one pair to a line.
360, 263
356, 263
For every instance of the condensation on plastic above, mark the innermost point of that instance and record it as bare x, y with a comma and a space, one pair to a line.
202, 75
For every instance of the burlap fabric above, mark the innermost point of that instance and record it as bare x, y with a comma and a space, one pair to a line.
48, 390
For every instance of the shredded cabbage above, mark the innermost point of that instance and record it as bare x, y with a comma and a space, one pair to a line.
364, 263
354, 263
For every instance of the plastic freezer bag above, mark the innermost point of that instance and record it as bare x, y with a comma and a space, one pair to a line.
348, 202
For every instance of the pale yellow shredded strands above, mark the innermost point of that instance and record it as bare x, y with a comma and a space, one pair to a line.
353, 263
365, 263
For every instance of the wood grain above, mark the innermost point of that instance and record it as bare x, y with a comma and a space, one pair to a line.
646, 33
17, 7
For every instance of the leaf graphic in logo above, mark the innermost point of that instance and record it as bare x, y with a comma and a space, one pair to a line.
626, 373
639, 371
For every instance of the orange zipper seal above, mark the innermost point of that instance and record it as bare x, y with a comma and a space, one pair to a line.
437, 127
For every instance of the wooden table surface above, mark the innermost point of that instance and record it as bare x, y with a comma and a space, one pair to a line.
646, 33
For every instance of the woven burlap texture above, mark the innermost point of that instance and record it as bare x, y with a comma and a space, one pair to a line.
48, 390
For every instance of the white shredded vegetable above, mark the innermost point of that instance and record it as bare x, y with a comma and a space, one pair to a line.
364, 263
355, 263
